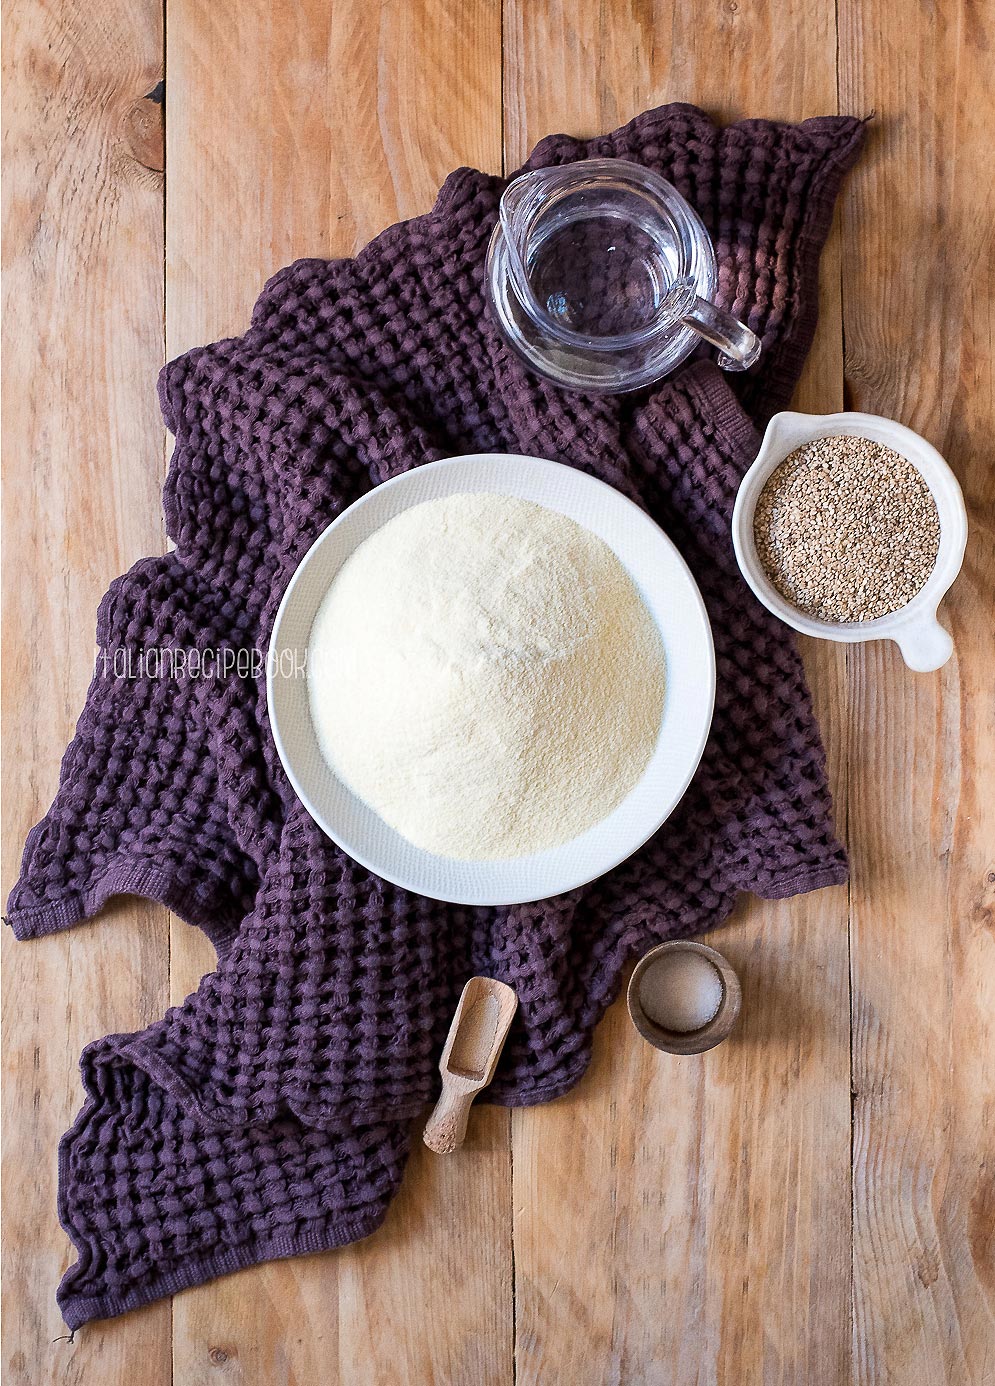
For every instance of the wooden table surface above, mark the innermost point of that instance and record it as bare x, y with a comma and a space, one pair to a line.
812, 1203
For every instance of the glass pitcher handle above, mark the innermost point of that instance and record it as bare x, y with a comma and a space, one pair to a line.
738, 346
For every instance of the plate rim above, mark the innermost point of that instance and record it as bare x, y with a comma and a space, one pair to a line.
399, 878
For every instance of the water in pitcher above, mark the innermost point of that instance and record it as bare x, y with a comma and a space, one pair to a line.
604, 276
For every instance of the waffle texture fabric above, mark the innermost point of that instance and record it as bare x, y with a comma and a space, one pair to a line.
269, 1114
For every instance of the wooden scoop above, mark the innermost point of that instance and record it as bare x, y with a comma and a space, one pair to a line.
476, 1038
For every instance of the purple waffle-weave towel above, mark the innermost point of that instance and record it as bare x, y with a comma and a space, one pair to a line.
269, 1113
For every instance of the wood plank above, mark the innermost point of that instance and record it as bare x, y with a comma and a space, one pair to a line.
715, 1225
714, 1228
303, 130
919, 274
83, 456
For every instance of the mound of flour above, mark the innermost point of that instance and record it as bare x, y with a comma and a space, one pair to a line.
483, 673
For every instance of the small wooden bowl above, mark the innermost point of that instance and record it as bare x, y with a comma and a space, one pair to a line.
685, 1041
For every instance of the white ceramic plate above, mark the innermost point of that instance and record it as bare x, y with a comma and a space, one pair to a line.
666, 587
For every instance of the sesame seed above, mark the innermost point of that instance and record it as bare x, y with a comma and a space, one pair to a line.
846, 529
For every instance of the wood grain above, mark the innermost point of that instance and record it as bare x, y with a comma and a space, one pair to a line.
83, 452
303, 129
919, 275
672, 1220
711, 1193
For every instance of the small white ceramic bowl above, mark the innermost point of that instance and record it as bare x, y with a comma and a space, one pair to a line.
924, 643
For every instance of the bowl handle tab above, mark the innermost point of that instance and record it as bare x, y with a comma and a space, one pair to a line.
924, 644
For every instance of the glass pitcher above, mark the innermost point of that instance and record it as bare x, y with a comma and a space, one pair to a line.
602, 278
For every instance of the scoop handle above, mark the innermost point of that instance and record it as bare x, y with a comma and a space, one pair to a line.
738, 346
445, 1130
